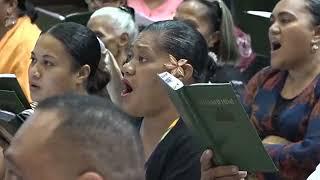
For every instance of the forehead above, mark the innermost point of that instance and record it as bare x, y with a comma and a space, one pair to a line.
296, 7
147, 41
102, 22
33, 137
47, 44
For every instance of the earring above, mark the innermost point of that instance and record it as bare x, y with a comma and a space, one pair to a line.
315, 47
10, 21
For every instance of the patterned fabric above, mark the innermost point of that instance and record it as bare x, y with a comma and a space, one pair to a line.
247, 56
298, 122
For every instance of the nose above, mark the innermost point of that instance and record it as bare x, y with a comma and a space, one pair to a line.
34, 72
128, 69
274, 29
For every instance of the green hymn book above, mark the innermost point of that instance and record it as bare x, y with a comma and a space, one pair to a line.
215, 115
12, 98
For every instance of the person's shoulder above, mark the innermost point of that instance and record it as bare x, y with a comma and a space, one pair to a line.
266, 73
28, 32
182, 136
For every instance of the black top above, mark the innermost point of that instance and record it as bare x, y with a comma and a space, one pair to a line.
177, 157
280, 106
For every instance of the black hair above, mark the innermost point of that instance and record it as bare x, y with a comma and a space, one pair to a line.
84, 47
222, 21
27, 8
101, 133
314, 6
184, 42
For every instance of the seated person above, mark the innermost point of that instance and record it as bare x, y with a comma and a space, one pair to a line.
283, 100
65, 59
18, 36
82, 138
214, 21
155, 10
116, 28
94, 5
170, 150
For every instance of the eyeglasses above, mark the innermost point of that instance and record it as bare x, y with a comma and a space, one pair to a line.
128, 10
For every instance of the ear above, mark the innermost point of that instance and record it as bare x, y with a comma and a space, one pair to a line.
124, 39
214, 38
83, 74
90, 176
188, 71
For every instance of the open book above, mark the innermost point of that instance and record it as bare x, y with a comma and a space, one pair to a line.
12, 98
12, 102
215, 115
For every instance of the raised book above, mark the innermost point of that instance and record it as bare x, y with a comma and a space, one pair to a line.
12, 98
215, 115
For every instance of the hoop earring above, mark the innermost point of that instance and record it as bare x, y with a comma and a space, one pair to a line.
314, 48
10, 21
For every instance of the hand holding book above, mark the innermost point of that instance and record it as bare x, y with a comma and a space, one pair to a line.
209, 171
216, 117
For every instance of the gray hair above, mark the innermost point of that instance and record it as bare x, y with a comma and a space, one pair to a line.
120, 19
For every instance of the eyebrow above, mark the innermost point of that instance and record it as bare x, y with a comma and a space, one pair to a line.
44, 56
144, 47
284, 13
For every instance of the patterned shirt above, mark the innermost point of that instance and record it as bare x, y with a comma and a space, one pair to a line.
298, 122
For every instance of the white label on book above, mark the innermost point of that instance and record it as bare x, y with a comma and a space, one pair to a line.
171, 81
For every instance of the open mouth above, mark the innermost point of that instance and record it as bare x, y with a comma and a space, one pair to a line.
275, 46
127, 88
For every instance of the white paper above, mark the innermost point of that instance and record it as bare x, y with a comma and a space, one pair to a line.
260, 13
171, 81
8, 76
315, 175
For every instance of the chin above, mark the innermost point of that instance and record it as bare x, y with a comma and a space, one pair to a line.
35, 98
277, 64
130, 110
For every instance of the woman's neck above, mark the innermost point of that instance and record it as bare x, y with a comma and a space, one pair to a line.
308, 70
154, 127
3, 31
299, 78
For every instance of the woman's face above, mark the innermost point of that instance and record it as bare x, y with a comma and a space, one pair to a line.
195, 14
50, 71
290, 34
144, 95
109, 35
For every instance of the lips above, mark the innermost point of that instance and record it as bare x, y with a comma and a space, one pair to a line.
127, 88
34, 86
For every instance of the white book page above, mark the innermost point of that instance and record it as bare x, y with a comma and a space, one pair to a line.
8, 76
